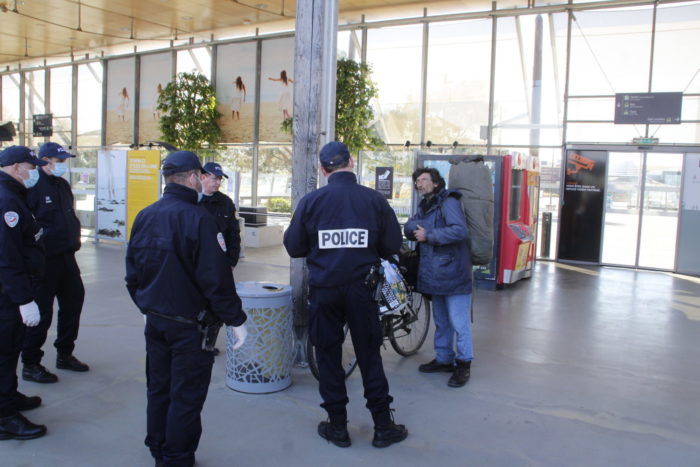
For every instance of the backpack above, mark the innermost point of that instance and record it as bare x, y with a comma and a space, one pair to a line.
472, 178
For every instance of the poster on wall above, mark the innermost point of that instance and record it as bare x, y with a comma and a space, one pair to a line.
120, 91
276, 88
582, 210
235, 91
111, 194
155, 76
143, 182
384, 181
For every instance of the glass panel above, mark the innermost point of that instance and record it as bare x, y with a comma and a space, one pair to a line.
516, 99
90, 104
662, 187
238, 159
61, 83
395, 57
458, 92
676, 60
34, 103
610, 51
10, 104
603, 132
83, 179
275, 178
550, 186
402, 161
622, 208
191, 60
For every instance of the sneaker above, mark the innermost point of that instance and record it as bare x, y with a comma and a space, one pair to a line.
434, 366
386, 432
23, 403
18, 427
69, 362
335, 433
37, 373
461, 374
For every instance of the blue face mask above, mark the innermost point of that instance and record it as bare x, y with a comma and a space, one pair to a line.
33, 178
59, 168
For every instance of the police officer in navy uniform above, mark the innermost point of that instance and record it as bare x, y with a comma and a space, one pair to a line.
176, 267
223, 208
51, 202
21, 262
342, 229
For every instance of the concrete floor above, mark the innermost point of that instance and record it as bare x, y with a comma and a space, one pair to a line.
574, 367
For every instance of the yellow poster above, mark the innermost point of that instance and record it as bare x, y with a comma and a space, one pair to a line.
143, 182
521, 260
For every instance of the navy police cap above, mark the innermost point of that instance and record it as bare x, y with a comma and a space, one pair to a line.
214, 169
334, 154
16, 154
52, 149
181, 161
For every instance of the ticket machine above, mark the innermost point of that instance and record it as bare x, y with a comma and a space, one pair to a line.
520, 183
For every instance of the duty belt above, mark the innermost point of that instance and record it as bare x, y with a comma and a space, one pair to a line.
179, 319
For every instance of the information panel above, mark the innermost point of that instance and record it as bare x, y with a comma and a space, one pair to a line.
653, 108
143, 182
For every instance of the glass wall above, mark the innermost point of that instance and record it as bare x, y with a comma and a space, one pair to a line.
34, 103
10, 103
60, 80
90, 104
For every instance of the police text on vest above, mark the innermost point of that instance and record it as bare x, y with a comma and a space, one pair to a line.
342, 238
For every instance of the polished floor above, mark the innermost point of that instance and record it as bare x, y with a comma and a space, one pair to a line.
574, 367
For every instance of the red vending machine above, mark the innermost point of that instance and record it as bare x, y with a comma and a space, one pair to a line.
516, 252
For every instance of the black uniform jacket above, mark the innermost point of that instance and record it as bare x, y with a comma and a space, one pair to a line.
222, 207
51, 201
175, 262
342, 229
21, 250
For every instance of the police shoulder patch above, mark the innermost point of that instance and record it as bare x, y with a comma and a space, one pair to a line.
11, 218
220, 239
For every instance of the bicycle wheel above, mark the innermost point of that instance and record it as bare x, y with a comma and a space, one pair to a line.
349, 360
410, 328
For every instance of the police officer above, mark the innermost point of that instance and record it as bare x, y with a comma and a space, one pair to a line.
51, 202
176, 267
223, 209
21, 261
342, 229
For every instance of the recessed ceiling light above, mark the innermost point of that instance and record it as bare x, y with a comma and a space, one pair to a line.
125, 28
246, 21
261, 5
186, 18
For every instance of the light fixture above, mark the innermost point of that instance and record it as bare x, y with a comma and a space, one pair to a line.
186, 18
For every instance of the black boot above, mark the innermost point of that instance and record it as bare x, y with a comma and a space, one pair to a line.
18, 427
461, 374
335, 431
69, 362
23, 402
386, 432
434, 366
37, 373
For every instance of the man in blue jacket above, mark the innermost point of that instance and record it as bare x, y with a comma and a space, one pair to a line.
51, 202
342, 229
21, 262
178, 275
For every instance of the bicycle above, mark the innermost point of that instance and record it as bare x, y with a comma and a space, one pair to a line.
405, 329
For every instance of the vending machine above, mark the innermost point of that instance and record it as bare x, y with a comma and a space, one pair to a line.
519, 193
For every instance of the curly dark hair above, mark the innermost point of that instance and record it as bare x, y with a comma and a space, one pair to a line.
434, 176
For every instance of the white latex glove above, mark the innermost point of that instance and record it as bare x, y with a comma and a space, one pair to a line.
30, 314
240, 332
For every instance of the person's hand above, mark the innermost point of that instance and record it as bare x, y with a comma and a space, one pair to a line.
420, 234
30, 314
240, 332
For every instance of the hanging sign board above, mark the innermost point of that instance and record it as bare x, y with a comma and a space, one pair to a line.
43, 125
650, 108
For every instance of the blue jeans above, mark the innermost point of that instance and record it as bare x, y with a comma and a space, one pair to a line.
452, 316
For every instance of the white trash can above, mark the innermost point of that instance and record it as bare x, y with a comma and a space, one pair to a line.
264, 363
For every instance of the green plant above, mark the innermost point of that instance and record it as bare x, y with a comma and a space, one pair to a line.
279, 205
353, 109
190, 117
